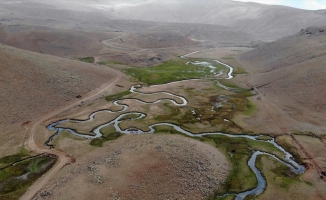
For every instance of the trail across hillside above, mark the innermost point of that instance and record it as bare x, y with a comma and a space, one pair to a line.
63, 158
138, 50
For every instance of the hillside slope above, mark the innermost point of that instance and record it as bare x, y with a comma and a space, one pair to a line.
51, 41
32, 83
263, 22
292, 73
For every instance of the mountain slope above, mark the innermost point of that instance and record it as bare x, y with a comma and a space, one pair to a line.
295, 49
263, 21
32, 84
292, 73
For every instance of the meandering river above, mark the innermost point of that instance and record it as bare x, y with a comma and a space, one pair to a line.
261, 186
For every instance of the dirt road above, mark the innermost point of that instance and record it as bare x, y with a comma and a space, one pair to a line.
282, 120
63, 158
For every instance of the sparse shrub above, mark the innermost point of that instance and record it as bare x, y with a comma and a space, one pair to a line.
87, 59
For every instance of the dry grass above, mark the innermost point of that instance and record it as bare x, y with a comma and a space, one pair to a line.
143, 167
33, 84
290, 73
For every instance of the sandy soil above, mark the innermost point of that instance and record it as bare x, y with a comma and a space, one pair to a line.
143, 167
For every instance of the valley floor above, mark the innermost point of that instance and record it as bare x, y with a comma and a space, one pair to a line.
205, 121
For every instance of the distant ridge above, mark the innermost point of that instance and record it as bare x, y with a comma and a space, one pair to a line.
292, 72
264, 22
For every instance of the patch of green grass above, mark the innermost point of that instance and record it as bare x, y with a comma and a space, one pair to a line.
229, 197
237, 89
239, 151
170, 71
264, 137
232, 104
4, 161
239, 70
108, 130
241, 178
109, 133
117, 96
251, 108
264, 146
110, 62
239, 99
98, 142
282, 176
174, 115
172, 111
188, 117
130, 116
12, 158
204, 112
3, 175
87, 59
14, 180
286, 182
309, 183
168, 130
66, 135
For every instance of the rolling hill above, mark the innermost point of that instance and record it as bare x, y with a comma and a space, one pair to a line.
291, 72
263, 22
33, 83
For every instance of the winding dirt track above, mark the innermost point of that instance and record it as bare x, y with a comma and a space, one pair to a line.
138, 50
63, 158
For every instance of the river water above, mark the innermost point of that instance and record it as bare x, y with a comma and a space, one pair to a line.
261, 186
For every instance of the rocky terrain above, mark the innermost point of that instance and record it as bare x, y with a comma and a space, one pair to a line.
142, 167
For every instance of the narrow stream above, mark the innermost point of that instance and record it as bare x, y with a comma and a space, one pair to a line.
261, 186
